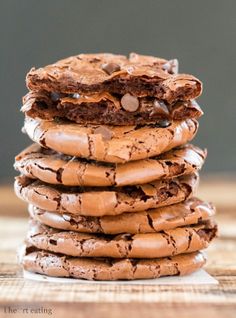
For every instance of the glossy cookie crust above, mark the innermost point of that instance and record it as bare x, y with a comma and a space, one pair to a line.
180, 240
51, 167
117, 144
57, 265
100, 201
189, 212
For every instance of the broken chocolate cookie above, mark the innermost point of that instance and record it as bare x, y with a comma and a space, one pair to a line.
137, 75
107, 109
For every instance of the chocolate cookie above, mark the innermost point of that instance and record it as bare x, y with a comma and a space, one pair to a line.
150, 245
185, 213
95, 73
107, 109
101, 201
51, 167
110, 143
56, 265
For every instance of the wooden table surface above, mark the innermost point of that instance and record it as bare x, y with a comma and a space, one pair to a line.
24, 298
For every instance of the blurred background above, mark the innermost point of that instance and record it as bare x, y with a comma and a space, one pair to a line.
201, 34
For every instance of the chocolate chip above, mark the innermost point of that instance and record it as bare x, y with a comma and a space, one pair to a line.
76, 95
164, 123
53, 242
172, 66
160, 124
104, 131
130, 102
94, 60
160, 107
55, 96
110, 68
66, 217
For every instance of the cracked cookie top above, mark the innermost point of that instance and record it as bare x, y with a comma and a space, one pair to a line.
191, 211
99, 201
117, 144
138, 75
52, 264
51, 167
180, 240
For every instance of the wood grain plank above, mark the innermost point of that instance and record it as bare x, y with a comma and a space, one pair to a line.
124, 310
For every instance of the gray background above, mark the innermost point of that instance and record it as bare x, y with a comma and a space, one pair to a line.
201, 34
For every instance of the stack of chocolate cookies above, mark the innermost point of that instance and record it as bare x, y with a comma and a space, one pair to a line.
111, 176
